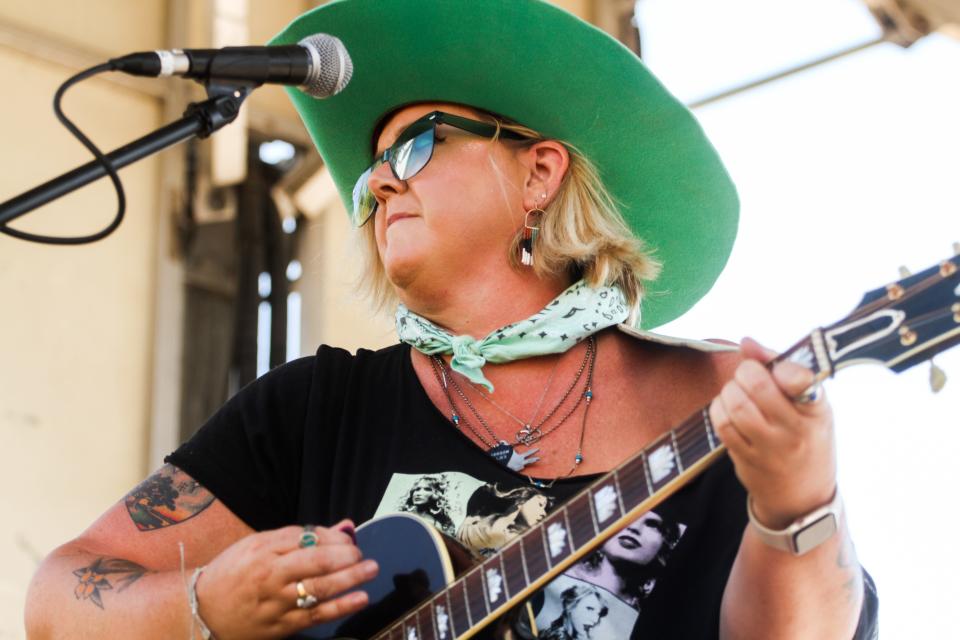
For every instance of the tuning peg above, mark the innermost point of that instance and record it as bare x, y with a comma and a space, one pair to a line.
937, 377
904, 272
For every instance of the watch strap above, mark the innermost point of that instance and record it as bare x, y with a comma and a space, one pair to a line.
806, 532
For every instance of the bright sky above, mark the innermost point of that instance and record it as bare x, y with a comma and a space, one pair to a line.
845, 173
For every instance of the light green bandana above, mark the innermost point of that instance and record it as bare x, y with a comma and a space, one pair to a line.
575, 314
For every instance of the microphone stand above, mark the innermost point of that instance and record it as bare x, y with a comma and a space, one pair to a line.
200, 119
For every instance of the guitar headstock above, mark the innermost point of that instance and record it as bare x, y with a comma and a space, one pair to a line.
901, 324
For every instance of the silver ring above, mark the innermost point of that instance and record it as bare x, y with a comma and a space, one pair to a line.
812, 394
305, 600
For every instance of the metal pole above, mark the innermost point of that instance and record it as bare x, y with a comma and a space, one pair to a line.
783, 74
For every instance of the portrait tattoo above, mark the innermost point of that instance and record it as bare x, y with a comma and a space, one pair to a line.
97, 577
166, 498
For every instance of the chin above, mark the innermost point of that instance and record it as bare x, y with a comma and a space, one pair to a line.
401, 270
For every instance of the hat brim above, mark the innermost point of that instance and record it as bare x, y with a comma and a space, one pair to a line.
549, 70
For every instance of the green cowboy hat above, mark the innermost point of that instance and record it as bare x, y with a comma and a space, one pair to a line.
547, 69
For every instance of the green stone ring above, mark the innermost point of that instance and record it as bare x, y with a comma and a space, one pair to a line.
308, 538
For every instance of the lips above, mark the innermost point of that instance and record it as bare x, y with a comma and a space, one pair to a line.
628, 542
399, 215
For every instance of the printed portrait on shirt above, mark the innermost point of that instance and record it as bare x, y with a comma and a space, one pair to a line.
599, 597
427, 498
623, 571
482, 516
496, 515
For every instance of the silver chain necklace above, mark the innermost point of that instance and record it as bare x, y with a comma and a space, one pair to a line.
503, 451
524, 424
528, 435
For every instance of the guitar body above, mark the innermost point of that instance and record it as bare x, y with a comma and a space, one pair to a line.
414, 563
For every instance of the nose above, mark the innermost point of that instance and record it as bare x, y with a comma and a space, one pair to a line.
382, 183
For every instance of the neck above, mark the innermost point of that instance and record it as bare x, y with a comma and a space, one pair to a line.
483, 302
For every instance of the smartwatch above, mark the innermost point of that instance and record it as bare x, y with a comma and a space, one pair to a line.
806, 532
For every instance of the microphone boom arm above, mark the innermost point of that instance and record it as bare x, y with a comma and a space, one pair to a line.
200, 119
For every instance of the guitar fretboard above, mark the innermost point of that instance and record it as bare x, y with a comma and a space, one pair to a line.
570, 532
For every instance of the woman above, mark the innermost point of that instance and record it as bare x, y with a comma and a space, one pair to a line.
494, 517
427, 499
583, 609
628, 564
538, 237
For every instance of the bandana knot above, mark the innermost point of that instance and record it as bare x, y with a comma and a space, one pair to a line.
467, 357
580, 311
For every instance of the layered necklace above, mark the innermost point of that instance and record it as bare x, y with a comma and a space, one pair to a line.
529, 433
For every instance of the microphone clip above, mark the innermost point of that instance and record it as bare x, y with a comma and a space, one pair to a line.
222, 106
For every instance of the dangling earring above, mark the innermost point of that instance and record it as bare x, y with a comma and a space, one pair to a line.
530, 233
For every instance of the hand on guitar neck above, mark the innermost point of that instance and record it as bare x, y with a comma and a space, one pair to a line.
783, 450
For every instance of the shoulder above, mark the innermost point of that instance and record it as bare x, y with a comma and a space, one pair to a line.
364, 364
337, 361
684, 362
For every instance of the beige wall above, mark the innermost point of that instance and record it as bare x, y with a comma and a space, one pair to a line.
75, 339
89, 337
106, 26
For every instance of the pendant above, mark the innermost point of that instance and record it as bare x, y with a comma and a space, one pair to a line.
529, 435
509, 457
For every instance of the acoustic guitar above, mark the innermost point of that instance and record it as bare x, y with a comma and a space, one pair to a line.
429, 589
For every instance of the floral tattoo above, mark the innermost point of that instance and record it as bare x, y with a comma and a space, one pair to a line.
97, 577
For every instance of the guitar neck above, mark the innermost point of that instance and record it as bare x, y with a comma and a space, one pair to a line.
586, 521
898, 326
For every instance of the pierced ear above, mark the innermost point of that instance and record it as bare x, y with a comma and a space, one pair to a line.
547, 162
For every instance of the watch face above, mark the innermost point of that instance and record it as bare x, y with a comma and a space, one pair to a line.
815, 533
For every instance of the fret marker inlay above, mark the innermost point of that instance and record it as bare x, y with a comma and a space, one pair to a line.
494, 584
442, 621
661, 463
605, 501
803, 356
556, 538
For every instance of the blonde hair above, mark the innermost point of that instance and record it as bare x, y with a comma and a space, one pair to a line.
582, 234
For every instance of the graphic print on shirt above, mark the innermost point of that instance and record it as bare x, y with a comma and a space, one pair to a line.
599, 597
602, 595
482, 516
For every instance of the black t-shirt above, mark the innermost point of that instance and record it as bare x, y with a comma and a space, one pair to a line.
340, 436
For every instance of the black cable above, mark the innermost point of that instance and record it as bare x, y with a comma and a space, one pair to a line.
72, 128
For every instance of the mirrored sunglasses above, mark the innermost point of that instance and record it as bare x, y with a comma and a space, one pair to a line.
411, 153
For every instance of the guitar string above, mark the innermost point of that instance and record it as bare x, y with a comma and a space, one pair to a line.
694, 421
915, 289
908, 293
680, 435
916, 323
688, 428
931, 316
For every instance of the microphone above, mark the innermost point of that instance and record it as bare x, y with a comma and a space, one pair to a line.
319, 64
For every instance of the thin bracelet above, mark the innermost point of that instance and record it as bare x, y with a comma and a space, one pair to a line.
195, 607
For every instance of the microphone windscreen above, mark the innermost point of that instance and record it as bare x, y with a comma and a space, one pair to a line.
331, 68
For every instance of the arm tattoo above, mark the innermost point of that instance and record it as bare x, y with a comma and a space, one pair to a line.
94, 578
166, 498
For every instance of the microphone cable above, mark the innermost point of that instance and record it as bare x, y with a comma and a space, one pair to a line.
72, 128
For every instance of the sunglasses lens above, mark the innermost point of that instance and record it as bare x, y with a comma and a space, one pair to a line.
364, 203
413, 155
407, 159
